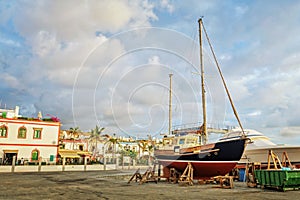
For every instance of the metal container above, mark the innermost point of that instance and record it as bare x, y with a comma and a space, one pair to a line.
282, 179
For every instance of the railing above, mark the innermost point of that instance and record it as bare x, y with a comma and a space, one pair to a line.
42, 166
211, 127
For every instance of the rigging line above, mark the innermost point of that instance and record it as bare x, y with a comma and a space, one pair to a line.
223, 80
192, 55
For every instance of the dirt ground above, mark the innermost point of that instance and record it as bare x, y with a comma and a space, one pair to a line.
113, 185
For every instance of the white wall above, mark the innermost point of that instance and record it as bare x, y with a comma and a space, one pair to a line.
47, 145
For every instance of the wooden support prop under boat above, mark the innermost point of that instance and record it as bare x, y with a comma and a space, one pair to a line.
148, 176
136, 175
250, 175
285, 160
187, 176
276, 161
174, 175
225, 181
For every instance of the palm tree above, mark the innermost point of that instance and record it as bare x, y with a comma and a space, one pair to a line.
95, 136
143, 146
150, 150
73, 132
113, 141
146, 145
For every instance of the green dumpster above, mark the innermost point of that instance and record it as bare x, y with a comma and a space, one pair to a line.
279, 179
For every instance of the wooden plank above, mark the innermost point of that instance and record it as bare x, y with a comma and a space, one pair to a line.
187, 176
136, 175
225, 181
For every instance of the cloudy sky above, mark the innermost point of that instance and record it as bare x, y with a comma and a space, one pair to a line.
107, 63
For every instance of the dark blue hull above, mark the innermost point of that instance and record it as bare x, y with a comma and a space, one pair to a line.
218, 160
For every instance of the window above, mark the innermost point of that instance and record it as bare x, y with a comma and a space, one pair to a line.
52, 158
35, 155
62, 146
37, 133
200, 140
190, 141
22, 132
181, 141
3, 131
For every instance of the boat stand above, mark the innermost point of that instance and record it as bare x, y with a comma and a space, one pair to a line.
225, 181
275, 159
250, 175
187, 177
285, 162
136, 175
174, 176
148, 176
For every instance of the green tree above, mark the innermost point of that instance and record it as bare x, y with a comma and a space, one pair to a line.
113, 141
73, 132
143, 146
146, 145
129, 153
95, 137
150, 151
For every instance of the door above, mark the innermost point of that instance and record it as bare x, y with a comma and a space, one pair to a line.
8, 158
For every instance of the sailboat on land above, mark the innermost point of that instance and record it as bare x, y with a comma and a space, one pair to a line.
189, 145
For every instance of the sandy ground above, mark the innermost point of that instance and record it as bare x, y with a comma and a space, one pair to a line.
113, 185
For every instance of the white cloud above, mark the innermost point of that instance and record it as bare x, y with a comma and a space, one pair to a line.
44, 43
9, 42
167, 5
62, 35
70, 20
239, 88
240, 10
154, 60
255, 113
293, 131
11, 81
62, 40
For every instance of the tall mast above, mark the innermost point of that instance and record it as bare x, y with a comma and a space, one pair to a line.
204, 126
223, 80
170, 104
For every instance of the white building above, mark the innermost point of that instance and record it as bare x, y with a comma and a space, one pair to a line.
28, 139
10, 113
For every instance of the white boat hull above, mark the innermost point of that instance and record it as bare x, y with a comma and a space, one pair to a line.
258, 149
261, 154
